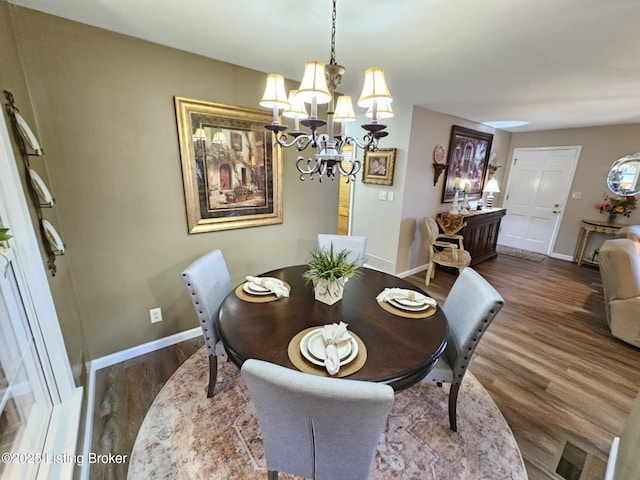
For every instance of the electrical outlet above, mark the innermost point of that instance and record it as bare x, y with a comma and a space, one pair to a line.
155, 314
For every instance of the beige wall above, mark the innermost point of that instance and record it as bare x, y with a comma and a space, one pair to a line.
104, 106
601, 146
13, 80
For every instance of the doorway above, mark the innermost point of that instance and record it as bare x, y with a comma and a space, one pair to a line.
344, 195
537, 191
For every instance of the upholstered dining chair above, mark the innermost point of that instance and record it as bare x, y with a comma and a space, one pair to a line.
208, 283
470, 307
355, 245
317, 427
442, 252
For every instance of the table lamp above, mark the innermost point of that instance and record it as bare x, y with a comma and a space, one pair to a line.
491, 187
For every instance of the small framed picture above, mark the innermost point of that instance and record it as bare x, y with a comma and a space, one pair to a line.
379, 166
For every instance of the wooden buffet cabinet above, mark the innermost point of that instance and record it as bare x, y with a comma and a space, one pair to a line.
481, 233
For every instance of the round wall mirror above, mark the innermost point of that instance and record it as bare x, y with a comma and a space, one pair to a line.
624, 176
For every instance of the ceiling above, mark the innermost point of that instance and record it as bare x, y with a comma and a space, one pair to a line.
552, 63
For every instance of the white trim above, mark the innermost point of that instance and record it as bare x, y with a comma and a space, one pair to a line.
611, 462
561, 256
152, 346
113, 359
412, 271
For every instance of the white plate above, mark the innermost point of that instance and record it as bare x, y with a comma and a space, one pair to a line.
253, 289
410, 303
41, 188
52, 236
306, 354
316, 346
27, 134
419, 307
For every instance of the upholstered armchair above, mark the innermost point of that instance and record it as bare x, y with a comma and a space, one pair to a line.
619, 260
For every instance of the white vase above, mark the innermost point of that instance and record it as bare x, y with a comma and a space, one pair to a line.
329, 292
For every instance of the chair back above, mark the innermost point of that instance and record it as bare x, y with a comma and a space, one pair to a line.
451, 223
470, 307
355, 245
317, 427
431, 230
208, 282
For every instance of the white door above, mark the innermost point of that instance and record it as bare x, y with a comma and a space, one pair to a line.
537, 191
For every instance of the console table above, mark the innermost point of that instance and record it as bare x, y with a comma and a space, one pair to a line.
481, 233
586, 228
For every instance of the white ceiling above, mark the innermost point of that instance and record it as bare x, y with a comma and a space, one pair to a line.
552, 63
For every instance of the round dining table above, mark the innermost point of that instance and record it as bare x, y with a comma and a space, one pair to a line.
400, 351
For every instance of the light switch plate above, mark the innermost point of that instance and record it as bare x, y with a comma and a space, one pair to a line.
382, 195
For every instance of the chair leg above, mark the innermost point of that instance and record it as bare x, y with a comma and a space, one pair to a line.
213, 374
429, 275
453, 402
272, 475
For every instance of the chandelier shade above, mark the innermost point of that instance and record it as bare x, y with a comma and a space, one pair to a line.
274, 95
374, 88
380, 109
344, 110
314, 84
296, 108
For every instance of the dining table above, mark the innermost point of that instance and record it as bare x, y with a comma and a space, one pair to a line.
394, 346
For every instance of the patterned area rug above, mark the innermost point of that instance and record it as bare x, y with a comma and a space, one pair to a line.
185, 435
516, 252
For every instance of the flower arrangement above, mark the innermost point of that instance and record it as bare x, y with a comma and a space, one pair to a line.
615, 206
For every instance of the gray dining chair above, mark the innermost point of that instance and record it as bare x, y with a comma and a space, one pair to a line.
208, 282
317, 427
355, 245
470, 307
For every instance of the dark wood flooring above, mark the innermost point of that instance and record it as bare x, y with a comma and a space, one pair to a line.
548, 360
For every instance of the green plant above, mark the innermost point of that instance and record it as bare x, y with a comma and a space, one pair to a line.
330, 266
4, 233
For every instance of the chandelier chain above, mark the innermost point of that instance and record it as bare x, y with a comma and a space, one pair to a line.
333, 35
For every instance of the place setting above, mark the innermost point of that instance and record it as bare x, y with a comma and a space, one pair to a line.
262, 289
329, 350
406, 303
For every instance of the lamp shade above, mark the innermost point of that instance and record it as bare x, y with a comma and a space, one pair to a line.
274, 95
296, 108
492, 186
219, 138
383, 109
314, 84
374, 88
199, 134
344, 110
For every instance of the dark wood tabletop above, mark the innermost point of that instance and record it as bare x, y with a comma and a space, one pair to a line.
400, 351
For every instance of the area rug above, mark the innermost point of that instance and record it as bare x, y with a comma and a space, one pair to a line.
186, 435
517, 252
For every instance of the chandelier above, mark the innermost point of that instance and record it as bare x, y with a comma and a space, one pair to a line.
318, 86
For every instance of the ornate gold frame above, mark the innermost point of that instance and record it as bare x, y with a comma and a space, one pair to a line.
235, 179
379, 166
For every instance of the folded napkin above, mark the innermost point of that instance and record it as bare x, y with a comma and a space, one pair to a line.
274, 285
334, 334
403, 294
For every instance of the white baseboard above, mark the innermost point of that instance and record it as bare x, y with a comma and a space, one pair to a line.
413, 271
561, 256
112, 359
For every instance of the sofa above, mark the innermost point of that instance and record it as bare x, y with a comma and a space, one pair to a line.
619, 260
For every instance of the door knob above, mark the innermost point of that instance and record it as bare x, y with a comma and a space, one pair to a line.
556, 208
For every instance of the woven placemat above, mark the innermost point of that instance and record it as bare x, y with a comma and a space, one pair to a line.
242, 295
405, 313
302, 364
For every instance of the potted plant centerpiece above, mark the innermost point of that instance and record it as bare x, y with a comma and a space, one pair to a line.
329, 271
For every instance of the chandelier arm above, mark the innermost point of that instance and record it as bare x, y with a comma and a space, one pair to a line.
313, 166
351, 173
301, 141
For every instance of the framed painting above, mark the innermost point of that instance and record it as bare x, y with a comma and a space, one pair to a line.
468, 156
231, 172
379, 166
